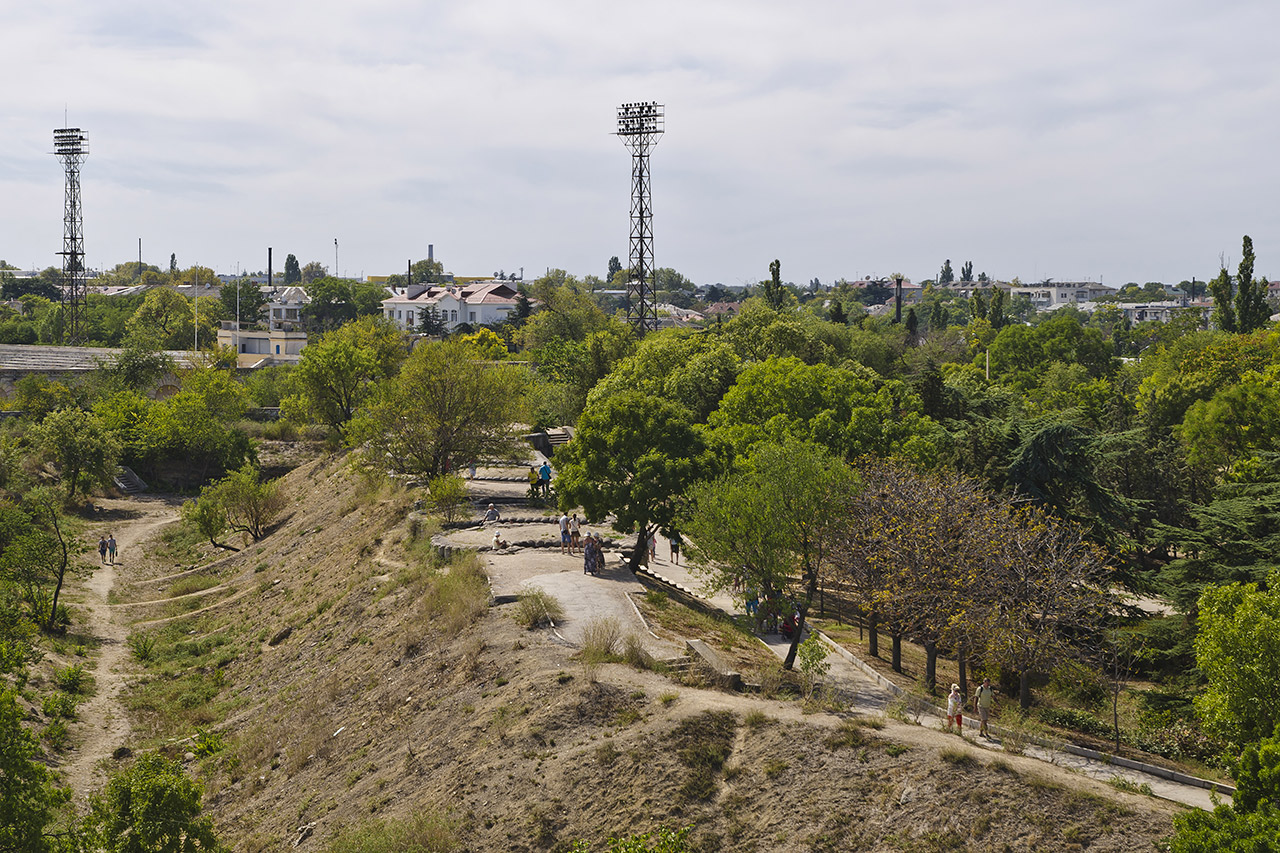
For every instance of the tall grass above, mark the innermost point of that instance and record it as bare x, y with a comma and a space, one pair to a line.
426, 832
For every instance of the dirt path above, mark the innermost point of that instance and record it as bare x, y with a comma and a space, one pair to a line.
103, 725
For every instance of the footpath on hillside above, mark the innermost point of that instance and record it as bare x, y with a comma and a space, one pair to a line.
535, 560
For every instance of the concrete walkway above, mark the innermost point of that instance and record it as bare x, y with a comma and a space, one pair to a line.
869, 695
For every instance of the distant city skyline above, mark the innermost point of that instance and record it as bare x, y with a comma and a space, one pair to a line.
1086, 141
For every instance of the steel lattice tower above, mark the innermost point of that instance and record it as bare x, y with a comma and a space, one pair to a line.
640, 125
71, 147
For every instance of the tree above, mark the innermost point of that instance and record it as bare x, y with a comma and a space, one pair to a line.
836, 313
774, 293
995, 313
292, 272
615, 267
444, 410
173, 264
1251, 822
1223, 291
29, 800
84, 453
207, 516
1238, 650
431, 321
634, 457
243, 299
1252, 310
946, 276
336, 373
773, 517
248, 505
966, 271
429, 271
40, 556
152, 807
166, 318
312, 271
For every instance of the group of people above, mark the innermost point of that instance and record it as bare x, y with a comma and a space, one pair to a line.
673, 540
592, 554
540, 481
984, 699
570, 534
107, 548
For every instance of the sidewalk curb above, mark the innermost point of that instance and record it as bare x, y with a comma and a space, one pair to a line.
1072, 749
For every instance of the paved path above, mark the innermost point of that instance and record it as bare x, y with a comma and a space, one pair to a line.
867, 695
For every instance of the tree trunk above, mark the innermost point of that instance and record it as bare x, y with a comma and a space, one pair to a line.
1024, 689
931, 666
897, 652
964, 672
873, 640
640, 553
811, 586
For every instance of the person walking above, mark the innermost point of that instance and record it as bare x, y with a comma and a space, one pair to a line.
102, 549
955, 709
984, 700
564, 534
111, 548
675, 548
575, 534
534, 482
544, 479
599, 554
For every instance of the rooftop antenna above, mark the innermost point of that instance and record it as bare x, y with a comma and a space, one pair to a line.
71, 147
640, 125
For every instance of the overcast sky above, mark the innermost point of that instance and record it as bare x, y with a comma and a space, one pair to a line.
1131, 140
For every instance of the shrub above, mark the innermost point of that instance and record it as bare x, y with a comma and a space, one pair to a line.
72, 679
536, 607
958, 757
207, 742
152, 805
55, 734
59, 705
635, 654
812, 654
448, 496
1080, 721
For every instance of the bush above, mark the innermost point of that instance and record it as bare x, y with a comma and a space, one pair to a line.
812, 654
536, 607
72, 679
152, 805
59, 705
635, 654
1080, 721
142, 644
448, 497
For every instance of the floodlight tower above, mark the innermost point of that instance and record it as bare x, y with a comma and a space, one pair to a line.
71, 147
640, 125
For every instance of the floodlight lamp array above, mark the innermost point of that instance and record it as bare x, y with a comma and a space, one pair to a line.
69, 142
640, 117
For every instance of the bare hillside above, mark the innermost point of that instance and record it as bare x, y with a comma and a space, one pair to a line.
324, 677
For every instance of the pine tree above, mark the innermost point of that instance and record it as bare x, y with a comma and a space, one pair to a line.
966, 271
945, 275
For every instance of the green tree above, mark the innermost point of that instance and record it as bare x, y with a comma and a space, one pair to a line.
633, 457
1223, 290
775, 294
244, 299
83, 451
429, 271
173, 264
292, 272
248, 505
313, 270
207, 516
565, 310
1238, 650
40, 555
966, 271
167, 319
151, 807
773, 515
30, 802
444, 410
1252, 310
945, 275
336, 373
615, 267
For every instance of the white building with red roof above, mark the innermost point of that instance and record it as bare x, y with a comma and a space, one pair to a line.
477, 303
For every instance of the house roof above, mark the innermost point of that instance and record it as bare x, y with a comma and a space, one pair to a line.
480, 293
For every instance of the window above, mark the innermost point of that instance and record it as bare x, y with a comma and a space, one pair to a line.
453, 316
410, 318
277, 349
471, 317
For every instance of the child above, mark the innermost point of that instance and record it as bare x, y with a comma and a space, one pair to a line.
955, 706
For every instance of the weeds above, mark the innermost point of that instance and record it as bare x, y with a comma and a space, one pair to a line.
775, 767
188, 586
895, 749
207, 742
55, 734
600, 640
635, 654
755, 720
1129, 786
536, 607
422, 833
668, 697
849, 734
142, 644
961, 758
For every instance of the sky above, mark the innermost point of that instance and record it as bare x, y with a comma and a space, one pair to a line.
1091, 140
